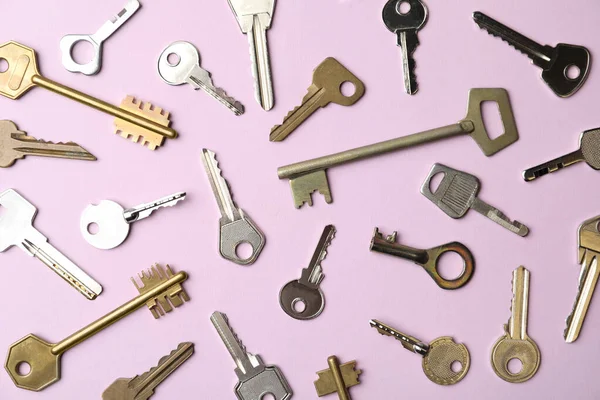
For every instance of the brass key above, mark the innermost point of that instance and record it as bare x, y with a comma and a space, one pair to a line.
44, 358
326, 88
22, 74
337, 378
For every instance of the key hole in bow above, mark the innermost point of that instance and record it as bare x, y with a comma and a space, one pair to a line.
435, 181
572, 72
93, 228
347, 89
299, 305
23, 368
514, 366
456, 366
450, 265
3, 65
244, 250
82, 52
492, 120
403, 7
173, 59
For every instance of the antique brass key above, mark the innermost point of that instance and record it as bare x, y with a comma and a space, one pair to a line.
44, 358
22, 74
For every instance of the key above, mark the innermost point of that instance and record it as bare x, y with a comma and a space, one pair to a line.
457, 193
440, 357
141, 387
589, 250
406, 25
256, 380
337, 378
589, 151
186, 69
303, 298
96, 40
515, 343
113, 221
16, 144
16, 229
309, 176
326, 87
44, 357
254, 18
564, 67
428, 259
22, 74
235, 226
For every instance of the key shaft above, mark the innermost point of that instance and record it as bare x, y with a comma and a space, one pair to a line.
499, 217
553, 165
245, 361
588, 281
261, 64
517, 327
312, 276
146, 209
408, 342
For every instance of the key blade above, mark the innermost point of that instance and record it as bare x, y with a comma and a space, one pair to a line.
144, 210
517, 325
553, 165
170, 298
219, 186
234, 345
311, 102
409, 41
498, 217
261, 64
110, 26
200, 79
136, 133
313, 275
408, 342
585, 291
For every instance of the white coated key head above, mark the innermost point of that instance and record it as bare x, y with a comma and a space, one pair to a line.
177, 61
245, 10
16, 218
112, 228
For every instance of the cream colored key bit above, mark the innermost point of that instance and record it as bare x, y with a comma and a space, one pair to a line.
22, 74
337, 378
326, 88
440, 357
43, 358
174, 296
515, 343
136, 133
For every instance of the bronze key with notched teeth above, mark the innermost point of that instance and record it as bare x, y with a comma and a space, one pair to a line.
44, 358
22, 74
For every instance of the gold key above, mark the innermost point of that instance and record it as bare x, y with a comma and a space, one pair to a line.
439, 357
43, 358
326, 88
515, 343
22, 74
337, 378
16, 144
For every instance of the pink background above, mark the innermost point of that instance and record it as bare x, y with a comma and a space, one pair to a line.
454, 56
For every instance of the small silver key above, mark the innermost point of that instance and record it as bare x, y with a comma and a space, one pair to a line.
306, 291
589, 151
254, 18
96, 40
256, 380
457, 193
235, 226
113, 220
16, 229
184, 67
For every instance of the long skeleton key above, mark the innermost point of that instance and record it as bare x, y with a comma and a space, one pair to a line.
96, 40
438, 356
113, 221
16, 144
309, 176
589, 151
256, 380
515, 343
141, 387
428, 258
307, 290
457, 193
187, 69
326, 88
235, 226
22, 74
44, 358
589, 251
254, 18
556, 62
406, 25
16, 229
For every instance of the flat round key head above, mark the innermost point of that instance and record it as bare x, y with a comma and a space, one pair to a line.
300, 301
507, 349
401, 15
590, 147
110, 228
269, 381
17, 78
568, 69
35, 353
176, 62
438, 362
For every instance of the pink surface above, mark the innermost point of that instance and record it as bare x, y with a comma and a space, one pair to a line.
454, 56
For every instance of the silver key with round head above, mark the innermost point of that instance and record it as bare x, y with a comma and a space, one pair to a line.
256, 380
16, 229
589, 151
235, 226
179, 63
457, 193
406, 18
113, 221
306, 291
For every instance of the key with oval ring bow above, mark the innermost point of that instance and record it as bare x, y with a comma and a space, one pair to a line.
428, 258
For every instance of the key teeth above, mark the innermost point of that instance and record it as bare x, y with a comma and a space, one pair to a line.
213, 156
481, 26
164, 303
164, 359
235, 335
231, 103
137, 134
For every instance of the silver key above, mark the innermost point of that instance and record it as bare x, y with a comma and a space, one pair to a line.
254, 18
16, 229
306, 291
235, 226
185, 68
457, 193
113, 220
96, 40
256, 380
589, 151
